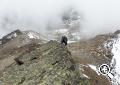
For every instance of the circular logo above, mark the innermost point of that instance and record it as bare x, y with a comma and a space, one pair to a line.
104, 69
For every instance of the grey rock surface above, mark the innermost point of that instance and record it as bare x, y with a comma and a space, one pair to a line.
46, 64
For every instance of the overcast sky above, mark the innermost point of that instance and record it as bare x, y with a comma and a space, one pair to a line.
99, 16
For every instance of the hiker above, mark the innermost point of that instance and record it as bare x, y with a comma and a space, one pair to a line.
64, 40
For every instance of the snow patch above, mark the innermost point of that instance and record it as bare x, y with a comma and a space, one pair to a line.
15, 35
12, 36
94, 68
116, 53
114, 74
86, 76
71, 41
32, 35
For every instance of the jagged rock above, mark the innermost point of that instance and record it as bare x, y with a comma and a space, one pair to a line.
117, 32
47, 64
11, 36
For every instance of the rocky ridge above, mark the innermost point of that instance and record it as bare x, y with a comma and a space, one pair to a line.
39, 63
47, 64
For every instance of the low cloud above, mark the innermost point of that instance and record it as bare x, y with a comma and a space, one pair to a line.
98, 17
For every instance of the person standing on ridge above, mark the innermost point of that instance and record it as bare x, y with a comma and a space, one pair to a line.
64, 40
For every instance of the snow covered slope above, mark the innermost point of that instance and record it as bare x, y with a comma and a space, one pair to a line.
116, 57
114, 45
34, 35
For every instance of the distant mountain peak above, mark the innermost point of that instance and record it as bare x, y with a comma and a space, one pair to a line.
11, 36
35, 35
19, 38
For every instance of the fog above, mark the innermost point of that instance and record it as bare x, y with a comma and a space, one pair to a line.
97, 17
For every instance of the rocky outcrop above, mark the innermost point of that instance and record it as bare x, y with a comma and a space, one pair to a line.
46, 64
117, 32
11, 36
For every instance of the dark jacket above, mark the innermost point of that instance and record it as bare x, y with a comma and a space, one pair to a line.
64, 40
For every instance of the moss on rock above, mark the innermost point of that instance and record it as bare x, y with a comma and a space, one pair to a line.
48, 64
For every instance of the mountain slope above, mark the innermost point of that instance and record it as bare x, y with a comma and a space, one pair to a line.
91, 53
24, 38
27, 59
47, 64
114, 45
